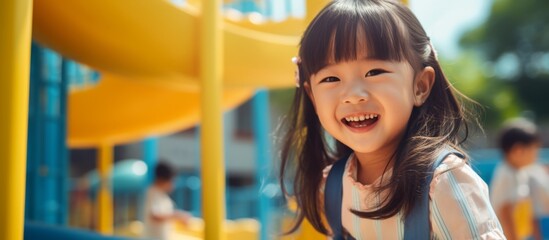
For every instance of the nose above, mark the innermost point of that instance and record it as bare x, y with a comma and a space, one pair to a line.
356, 93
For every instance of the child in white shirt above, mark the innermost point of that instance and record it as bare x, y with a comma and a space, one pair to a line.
159, 207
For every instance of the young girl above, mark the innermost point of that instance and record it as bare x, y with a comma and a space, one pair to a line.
370, 91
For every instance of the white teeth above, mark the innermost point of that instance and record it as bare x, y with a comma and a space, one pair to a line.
361, 117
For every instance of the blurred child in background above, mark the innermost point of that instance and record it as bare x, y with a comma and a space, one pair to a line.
159, 207
520, 187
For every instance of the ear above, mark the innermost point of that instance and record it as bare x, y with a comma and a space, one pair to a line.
309, 93
423, 85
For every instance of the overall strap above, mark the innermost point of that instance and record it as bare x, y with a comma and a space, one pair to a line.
333, 194
417, 224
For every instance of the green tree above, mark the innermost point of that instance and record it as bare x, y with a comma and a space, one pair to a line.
515, 42
467, 74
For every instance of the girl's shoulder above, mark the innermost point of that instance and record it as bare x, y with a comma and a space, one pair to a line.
453, 171
460, 203
449, 163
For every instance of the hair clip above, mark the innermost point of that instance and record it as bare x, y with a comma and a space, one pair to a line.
296, 61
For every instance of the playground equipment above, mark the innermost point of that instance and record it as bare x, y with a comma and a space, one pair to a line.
157, 41
152, 48
148, 55
118, 110
149, 42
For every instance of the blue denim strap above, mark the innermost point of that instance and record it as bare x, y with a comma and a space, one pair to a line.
417, 224
333, 196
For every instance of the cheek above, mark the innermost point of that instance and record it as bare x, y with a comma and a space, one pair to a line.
533, 153
322, 108
398, 104
325, 109
397, 97
320, 99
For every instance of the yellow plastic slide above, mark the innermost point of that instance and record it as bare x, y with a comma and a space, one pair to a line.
119, 110
148, 54
153, 39
147, 51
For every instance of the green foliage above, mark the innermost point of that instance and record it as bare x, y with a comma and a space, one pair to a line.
519, 29
467, 73
513, 26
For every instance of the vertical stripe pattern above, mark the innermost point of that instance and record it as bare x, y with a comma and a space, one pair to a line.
379, 234
437, 217
356, 220
458, 193
459, 206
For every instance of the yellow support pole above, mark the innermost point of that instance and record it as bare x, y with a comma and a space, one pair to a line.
15, 42
213, 166
104, 198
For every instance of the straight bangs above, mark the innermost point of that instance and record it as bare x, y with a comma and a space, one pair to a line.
333, 36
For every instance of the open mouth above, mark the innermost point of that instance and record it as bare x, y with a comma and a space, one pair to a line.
361, 120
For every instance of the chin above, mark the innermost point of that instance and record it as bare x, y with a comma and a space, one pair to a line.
363, 148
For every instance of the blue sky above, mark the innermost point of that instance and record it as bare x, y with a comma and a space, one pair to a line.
445, 21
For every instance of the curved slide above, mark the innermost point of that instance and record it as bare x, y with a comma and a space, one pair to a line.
118, 110
145, 39
148, 54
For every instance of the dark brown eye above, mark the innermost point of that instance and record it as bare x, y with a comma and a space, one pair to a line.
329, 79
375, 72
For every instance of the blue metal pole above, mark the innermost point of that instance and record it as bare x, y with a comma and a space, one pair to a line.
64, 152
150, 155
47, 159
47, 169
52, 165
261, 123
33, 138
196, 187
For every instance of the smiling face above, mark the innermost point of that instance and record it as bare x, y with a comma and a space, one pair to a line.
364, 103
364, 69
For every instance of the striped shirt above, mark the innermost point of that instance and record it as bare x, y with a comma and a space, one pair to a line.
459, 205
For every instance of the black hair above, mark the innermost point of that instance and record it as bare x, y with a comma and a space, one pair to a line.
163, 171
393, 33
518, 131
